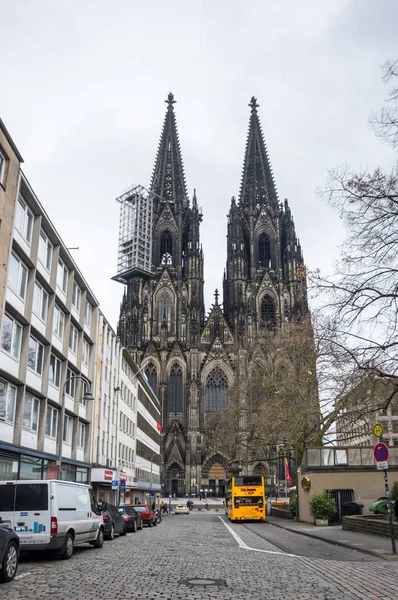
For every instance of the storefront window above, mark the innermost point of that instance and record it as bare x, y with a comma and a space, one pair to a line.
68, 472
82, 474
8, 468
50, 469
31, 467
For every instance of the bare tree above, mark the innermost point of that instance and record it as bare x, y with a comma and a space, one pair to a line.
293, 388
361, 305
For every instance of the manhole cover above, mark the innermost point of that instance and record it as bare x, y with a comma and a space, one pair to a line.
202, 582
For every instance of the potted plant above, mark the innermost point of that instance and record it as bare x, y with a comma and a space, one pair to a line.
322, 508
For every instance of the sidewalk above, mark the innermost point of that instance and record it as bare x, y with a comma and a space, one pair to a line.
376, 545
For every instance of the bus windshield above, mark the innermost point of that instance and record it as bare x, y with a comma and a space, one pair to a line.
248, 480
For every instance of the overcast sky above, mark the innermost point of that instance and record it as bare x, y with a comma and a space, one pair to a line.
83, 85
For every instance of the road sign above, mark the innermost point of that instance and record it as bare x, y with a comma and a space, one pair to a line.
380, 452
378, 430
382, 466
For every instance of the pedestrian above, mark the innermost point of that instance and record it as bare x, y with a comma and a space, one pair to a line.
153, 506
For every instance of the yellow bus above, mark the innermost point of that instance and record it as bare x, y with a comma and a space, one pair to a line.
245, 499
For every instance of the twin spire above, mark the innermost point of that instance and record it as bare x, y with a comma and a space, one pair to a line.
168, 178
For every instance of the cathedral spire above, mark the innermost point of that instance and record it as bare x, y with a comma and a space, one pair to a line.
168, 179
257, 186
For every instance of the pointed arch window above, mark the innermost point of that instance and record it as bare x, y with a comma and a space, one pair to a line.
164, 310
264, 250
152, 377
268, 316
216, 393
175, 389
166, 248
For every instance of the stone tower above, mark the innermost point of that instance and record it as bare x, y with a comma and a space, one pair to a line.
191, 361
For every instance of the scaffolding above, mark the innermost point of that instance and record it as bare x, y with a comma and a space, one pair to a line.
135, 234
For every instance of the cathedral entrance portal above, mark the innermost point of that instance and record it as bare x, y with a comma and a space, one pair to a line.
174, 487
217, 480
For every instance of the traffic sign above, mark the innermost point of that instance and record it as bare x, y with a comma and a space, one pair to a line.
378, 430
380, 452
382, 466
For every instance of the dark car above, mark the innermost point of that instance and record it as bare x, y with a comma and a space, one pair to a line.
148, 516
9, 553
132, 517
113, 521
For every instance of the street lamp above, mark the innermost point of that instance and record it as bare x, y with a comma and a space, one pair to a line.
87, 396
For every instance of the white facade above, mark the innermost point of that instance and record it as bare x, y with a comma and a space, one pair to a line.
47, 341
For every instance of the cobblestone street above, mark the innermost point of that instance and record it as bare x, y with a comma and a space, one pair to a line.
198, 557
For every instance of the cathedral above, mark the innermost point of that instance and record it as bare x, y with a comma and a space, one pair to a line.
189, 357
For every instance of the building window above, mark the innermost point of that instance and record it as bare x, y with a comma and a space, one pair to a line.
54, 375
87, 314
73, 339
164, 310
82, 435
2, 167
11, 335
175, 389
8, 395
68, 428
58, 323
23, 221
35, 356
216, 392
17, 276
30, 417
152, 376
82, 399
268, 312
76, 296
264, 250
45, 251
62, 276
85, 353
70, 386
40, 302
166, 248
51, 422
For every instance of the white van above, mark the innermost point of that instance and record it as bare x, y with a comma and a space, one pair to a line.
51, 515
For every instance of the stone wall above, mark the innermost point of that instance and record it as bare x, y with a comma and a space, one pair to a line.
378, 525
282, 513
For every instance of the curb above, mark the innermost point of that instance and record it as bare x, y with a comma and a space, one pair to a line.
332, 542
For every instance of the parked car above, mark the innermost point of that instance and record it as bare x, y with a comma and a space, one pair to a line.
51, 515
113, 521
132, 517
181, 509
148, 516
9, 553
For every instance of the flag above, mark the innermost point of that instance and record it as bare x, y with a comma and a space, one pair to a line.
159, 427
287, 474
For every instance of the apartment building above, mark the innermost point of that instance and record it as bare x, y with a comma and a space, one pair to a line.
10, 162
147, 465
126, 440
375, 402
73, 404
105, 477
47, 340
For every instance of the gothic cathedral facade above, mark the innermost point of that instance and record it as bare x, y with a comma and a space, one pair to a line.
190, 358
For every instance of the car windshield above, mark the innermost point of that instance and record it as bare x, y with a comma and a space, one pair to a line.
122, 511
181, 506
140, 508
